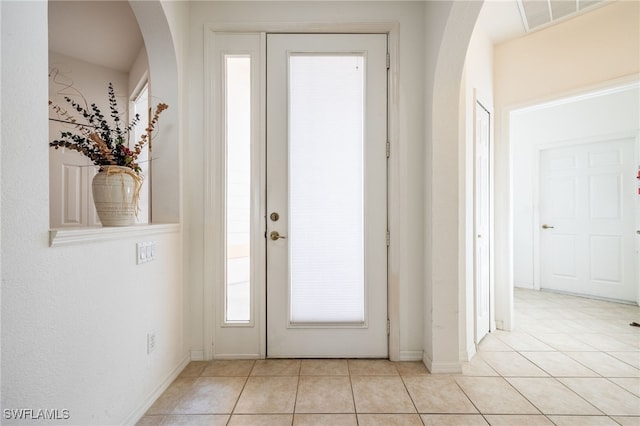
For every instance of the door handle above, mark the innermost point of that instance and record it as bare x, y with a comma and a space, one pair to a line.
545, 226
275, 235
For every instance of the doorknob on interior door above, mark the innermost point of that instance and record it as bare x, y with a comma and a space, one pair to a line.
545, 226
275, 235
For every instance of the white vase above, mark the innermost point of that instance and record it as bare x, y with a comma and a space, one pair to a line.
116, 190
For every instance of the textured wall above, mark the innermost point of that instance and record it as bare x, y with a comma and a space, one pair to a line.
74, 318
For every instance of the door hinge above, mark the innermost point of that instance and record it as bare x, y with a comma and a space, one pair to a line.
388, 327
388, 238
388, 60
388, 149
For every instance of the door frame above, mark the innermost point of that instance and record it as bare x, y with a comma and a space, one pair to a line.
479, 101
503, 206
213, 272
537, 224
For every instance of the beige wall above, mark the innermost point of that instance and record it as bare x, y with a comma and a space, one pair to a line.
584, 51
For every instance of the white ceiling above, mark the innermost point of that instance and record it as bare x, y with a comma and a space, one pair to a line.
504, 20
106, 33
538, 13
501, 20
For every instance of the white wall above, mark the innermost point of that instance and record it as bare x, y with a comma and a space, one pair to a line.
477, 83
139, 70
449, 26
572, 57
88, 80
162, 24
602, 115
410, 151
75, 317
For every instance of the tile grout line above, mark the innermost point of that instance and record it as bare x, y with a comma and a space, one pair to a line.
598, 375
246, 380
183, 395
531, 333
295, 399
470, 400
563, 384
409, 393
557, 378
353, 395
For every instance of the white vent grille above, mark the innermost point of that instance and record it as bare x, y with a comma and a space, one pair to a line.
540, 13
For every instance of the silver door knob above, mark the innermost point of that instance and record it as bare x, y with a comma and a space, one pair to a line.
545, 226
275, 235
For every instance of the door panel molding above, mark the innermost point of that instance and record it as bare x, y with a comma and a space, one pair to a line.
483, 230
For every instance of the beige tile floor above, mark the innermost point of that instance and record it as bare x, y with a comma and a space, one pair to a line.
570, 361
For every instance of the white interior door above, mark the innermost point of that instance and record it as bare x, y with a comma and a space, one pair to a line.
587, 219
326, 195
482, 222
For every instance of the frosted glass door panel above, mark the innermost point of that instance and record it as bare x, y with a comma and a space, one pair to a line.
326, 202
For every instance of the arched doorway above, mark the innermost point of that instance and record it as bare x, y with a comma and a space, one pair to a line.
165, 85
451, 25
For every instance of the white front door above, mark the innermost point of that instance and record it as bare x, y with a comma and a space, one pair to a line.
587, 193
482, 222
326, 195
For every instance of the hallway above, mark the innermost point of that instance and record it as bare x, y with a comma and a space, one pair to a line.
570, 361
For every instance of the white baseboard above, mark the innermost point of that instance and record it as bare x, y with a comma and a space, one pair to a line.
410, 355
236, 356
137, 414
441, 367
526, 286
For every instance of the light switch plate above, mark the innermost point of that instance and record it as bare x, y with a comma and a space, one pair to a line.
145, 251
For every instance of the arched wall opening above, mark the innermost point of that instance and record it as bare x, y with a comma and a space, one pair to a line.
445, 288
449, 28
163, 72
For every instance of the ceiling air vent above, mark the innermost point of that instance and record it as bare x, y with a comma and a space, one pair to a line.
539, 13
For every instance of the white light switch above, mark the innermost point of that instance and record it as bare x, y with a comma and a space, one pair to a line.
145, 251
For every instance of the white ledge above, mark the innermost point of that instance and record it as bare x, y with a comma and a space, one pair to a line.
67, 236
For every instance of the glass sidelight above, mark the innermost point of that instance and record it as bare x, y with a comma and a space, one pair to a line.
238, 188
